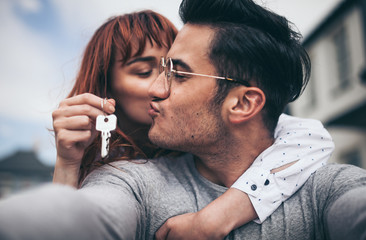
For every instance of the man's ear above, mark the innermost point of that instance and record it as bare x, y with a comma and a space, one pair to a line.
244, 103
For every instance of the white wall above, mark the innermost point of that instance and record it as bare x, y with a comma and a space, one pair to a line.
328, 105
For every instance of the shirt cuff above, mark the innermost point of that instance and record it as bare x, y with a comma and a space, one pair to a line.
252, 181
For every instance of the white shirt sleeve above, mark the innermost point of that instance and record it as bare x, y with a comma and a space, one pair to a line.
304, 141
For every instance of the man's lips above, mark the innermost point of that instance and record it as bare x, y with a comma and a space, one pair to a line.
153, 111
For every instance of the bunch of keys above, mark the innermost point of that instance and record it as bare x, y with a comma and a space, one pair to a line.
105, 124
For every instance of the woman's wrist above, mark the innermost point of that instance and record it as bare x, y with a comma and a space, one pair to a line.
66, 174
233, 209
211, 223
228, 212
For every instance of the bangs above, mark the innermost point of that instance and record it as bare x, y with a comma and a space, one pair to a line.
134, 30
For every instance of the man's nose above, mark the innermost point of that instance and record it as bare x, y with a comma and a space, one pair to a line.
159, 89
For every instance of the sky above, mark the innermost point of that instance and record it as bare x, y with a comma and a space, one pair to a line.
41, 45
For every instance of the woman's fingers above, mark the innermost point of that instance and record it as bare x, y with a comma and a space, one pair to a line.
74, 124
79, 107
82, 122
107, 106
77, 110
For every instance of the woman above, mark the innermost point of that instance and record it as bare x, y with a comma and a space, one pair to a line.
120, 62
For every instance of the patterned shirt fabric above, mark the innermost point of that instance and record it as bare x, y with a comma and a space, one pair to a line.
304, 142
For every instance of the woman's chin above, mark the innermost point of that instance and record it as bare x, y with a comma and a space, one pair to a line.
146, 121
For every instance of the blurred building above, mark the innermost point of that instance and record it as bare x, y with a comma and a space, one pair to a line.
336, 93
21, 171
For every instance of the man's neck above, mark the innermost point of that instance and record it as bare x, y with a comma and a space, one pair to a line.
225, 164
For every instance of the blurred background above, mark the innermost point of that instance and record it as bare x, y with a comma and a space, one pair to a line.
42, 42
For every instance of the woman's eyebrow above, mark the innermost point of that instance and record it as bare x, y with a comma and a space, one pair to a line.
141, 59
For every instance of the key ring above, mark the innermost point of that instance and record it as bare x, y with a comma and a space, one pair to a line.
102, 102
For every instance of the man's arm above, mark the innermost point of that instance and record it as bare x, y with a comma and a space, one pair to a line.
104, 209
49, 212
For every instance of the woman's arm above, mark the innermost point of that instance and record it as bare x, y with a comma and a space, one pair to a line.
231, 210
301, 147
74, 126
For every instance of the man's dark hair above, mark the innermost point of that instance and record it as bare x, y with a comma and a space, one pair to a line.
252, 44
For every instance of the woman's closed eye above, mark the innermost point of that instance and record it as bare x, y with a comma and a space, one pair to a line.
143, 73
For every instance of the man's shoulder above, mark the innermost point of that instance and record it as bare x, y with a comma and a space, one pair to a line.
338, 176
339, 172
335, 186
329, 183
332, 181
140, 170
306, 211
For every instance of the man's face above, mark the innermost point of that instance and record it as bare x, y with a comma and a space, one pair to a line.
185, 118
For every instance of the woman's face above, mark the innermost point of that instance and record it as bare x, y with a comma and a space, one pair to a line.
131, 81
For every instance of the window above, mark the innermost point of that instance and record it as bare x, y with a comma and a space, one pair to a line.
310, 89
309, 95
342, 60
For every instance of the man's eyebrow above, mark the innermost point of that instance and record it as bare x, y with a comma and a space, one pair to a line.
182, 64
141, 59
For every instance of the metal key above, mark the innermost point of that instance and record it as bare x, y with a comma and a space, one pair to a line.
106, 124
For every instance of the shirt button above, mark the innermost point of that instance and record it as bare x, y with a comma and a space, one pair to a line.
254, 187
266, 182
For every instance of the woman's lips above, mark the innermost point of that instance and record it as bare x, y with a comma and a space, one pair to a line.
153, 111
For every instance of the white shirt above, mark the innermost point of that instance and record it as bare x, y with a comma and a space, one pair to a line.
303, 141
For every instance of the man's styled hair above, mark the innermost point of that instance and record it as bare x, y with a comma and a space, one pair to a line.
255, 45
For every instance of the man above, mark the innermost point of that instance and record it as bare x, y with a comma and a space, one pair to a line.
228, 76
207, 117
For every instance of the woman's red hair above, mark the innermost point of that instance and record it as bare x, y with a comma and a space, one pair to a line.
122, 33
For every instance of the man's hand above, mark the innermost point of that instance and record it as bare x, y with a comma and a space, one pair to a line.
189, 226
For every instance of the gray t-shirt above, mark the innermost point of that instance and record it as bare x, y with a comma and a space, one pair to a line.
131, 200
